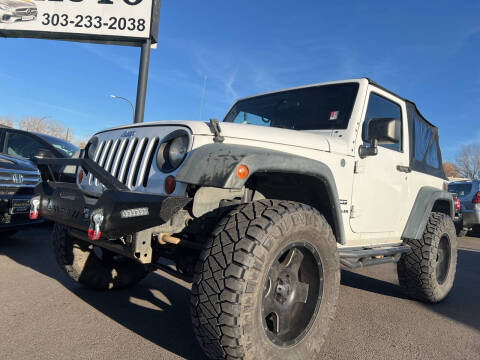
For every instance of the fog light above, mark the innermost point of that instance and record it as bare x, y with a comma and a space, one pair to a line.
170, 184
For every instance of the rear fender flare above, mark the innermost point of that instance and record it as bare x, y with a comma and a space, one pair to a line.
422, 208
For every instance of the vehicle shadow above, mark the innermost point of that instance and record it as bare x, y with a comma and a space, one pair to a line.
156, 309
167, 323
367, 283
461, 304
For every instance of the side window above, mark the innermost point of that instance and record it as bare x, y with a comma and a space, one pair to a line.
21, 145
425, 144
247, 118
379, 107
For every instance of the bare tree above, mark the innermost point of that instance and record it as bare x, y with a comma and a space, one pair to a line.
45, 125
6, 120
468, 161
451, 171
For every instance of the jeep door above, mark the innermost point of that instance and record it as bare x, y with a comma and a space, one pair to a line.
378, 204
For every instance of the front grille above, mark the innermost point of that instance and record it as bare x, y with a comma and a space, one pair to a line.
127, 159
18, 179
17, 191
26, 12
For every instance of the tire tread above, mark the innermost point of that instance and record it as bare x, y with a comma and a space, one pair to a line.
416, 268
233, 258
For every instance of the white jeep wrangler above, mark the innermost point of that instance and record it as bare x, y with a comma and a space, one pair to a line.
261, 210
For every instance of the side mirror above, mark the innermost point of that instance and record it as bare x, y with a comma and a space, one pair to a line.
384, 130
380, 131
44, 153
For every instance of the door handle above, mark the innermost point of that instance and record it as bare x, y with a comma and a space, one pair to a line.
405, 169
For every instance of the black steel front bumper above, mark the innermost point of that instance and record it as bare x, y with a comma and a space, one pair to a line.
124, 212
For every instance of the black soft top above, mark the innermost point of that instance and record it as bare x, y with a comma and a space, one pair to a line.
425, 154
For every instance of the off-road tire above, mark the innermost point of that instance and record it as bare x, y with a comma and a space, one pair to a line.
81, 263
417, 273
459, 229
461, 232
227, 291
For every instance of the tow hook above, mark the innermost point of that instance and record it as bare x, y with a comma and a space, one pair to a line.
33, 215
94, 231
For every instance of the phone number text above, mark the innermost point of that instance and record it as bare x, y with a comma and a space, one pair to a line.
96, 22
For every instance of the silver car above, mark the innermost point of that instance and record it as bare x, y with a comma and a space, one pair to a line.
469, 196
17, 10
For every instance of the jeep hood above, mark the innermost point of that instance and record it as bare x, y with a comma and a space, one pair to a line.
261, 134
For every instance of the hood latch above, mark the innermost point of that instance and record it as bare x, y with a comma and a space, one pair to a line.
214, 126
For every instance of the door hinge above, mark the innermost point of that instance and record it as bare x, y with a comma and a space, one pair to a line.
354, 212
358, 168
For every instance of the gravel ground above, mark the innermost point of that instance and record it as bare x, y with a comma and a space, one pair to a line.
45, 316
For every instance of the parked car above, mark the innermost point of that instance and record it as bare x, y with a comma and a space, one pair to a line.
458, 218
262, 209
469, 195
31, 145
34, 146
17, 10
18, 178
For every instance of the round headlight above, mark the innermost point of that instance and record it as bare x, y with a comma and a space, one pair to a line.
173, 150
177, 150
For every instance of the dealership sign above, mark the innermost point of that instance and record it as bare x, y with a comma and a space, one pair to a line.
126, 22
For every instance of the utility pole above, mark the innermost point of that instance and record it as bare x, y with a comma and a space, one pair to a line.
142, 81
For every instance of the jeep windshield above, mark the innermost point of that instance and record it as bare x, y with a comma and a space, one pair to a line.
312, 108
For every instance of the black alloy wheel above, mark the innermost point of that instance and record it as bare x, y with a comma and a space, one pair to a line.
443, 259
292, 294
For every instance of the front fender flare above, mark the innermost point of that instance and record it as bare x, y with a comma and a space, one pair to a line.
215, 165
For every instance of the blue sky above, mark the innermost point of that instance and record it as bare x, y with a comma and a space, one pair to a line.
427, 51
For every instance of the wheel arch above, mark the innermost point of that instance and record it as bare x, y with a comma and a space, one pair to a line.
315, 191
215, 165
428, 199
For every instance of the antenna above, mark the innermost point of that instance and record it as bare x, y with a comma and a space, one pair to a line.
203, 96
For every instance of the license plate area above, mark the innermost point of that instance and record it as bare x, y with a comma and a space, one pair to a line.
20, 206
28, 18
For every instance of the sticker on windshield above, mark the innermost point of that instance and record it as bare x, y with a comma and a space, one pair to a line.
333, 115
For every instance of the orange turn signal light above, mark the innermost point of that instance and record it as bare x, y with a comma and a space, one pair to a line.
170, 184
242, 171
80, 176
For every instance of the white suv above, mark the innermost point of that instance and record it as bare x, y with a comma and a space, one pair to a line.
260, 211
